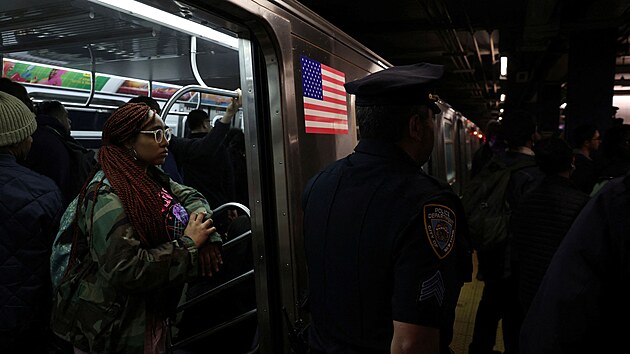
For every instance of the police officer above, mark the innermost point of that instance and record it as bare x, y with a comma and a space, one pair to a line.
582, 304
384, 241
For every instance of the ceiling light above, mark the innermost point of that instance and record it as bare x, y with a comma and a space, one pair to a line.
169, 20
502, 98
504, 64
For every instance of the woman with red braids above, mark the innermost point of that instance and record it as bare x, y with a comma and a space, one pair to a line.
138, 238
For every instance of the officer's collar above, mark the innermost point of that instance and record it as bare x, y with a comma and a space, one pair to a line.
385, 149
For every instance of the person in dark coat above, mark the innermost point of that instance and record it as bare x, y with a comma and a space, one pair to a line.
615, 161
493, 146
386, 246
544, 216
582, 303
499, 300
49, 154
196, 156
17, 90
235, 142
30, 209
586, 142
208, 171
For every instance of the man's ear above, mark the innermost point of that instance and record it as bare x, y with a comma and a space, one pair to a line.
416, 128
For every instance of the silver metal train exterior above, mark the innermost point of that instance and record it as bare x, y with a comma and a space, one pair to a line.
266, 41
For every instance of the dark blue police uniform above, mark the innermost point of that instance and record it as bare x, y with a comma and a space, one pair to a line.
582, 303
382, 240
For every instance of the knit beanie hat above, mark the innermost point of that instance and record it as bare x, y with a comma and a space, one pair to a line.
17, 122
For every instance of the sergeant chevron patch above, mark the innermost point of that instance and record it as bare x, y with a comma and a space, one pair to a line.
432, 287
439, 223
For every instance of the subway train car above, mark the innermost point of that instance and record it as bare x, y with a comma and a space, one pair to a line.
94, 55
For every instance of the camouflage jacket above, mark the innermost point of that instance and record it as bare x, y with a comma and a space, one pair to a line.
120, 290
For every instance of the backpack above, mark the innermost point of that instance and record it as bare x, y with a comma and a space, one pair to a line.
487, 211
62, 245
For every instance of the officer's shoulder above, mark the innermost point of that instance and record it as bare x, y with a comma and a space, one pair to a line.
614, 194
433, 184
433, 191
443, 197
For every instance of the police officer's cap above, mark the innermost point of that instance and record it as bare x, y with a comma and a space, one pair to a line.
405, 84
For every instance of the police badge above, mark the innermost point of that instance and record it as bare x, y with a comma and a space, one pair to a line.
439, 223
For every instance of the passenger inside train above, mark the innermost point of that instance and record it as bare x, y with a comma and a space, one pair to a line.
129, 216
30, 209
56, 154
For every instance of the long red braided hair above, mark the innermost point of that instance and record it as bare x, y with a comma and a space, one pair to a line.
138, 192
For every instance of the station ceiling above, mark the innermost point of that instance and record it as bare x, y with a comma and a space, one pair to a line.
469, 37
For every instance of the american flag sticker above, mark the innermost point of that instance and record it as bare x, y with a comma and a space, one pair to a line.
325, 109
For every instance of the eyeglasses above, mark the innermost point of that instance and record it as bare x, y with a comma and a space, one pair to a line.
160, 134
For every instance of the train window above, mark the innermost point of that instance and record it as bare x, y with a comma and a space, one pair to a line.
448, 131
468, 147
449, 150
87, 119
86, 125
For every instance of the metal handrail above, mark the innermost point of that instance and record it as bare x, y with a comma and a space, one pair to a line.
208, 294
184, 90
232, 204
216, 290
92, 77
236, 239
215, 329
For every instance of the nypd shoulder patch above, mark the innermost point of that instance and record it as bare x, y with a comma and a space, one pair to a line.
439, 224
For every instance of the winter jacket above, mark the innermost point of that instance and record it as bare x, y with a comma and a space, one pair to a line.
123, 292
582, 299
497, 263
539, 225
205, 164
30, 209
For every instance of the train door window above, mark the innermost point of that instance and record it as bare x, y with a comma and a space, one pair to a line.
463, 153
468, 148
435, 165
449, 151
